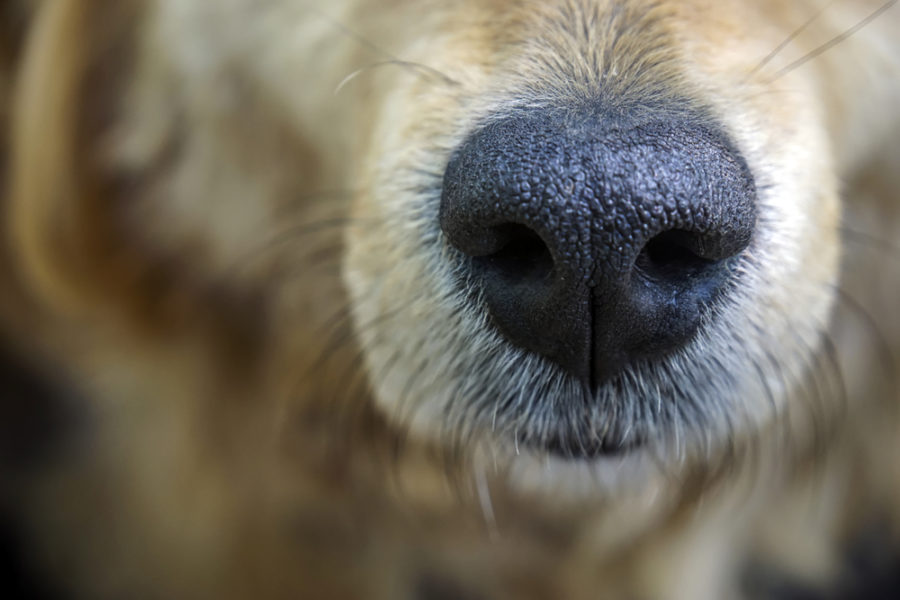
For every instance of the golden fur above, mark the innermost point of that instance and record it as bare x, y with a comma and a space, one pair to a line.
216, 240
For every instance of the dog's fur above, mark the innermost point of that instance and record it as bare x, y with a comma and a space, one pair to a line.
222, 275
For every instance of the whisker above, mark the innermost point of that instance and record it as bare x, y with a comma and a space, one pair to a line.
822, 392
297, 233
402, 412
487, 506
358, 38
413, 66
390, 58
835, 40
874, 242
883, 348
341, 332
832, 356
784, 44
345, 334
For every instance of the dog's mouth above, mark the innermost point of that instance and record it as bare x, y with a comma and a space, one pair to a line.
570, 447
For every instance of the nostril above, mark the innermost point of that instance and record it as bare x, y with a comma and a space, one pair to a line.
523, 256
674, 256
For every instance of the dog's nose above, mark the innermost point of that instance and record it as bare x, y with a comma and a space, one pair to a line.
598, 243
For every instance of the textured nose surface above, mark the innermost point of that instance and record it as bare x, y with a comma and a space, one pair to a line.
598, 244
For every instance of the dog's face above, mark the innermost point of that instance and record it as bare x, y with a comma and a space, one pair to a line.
613, 236
589, 247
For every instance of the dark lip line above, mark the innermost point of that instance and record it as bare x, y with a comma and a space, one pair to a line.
570, 450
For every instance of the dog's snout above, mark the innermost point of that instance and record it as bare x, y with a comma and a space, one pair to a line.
598, 242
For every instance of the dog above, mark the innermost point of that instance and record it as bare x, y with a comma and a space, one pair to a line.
476, 299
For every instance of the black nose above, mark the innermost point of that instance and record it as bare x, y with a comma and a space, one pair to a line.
598, 243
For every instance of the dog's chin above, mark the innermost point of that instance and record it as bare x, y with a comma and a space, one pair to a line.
562, 425
574, 468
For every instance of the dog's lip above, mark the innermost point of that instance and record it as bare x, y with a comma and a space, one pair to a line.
568, 447
581, 444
